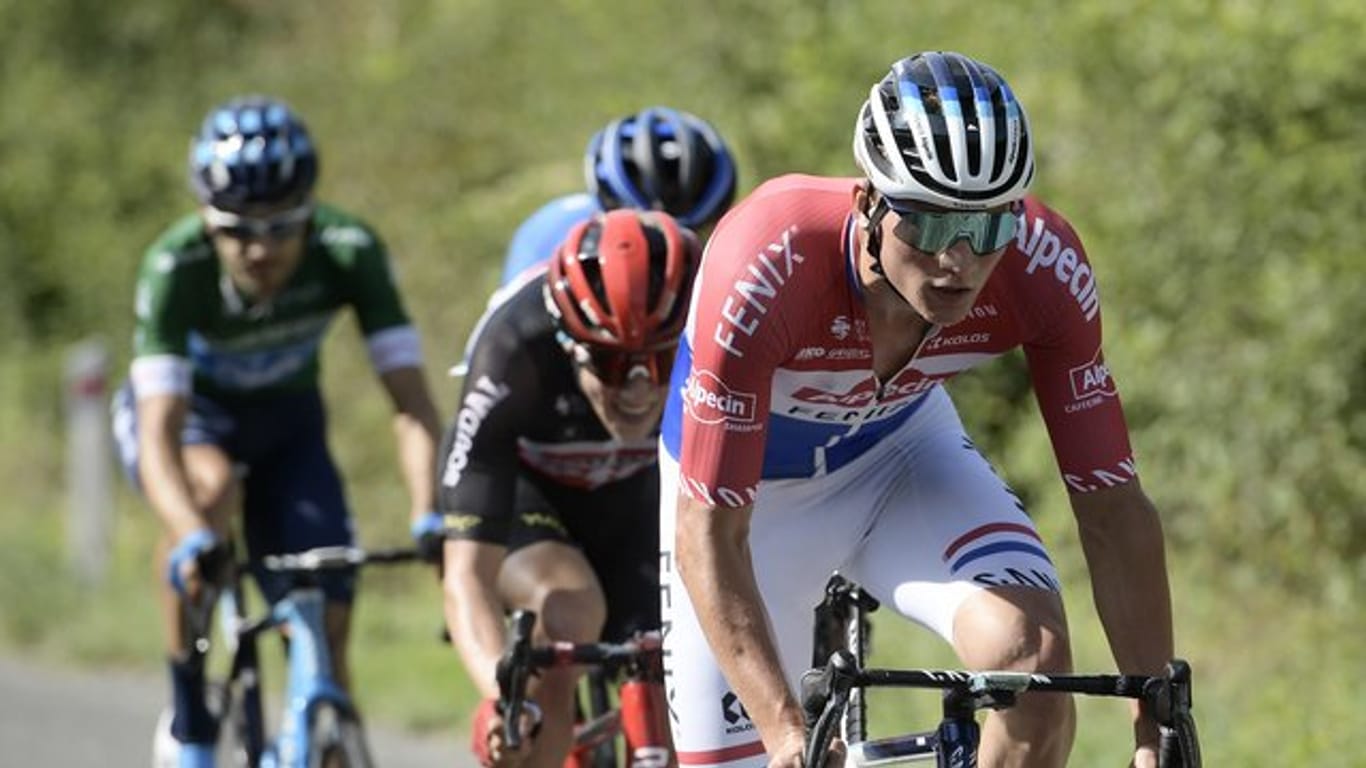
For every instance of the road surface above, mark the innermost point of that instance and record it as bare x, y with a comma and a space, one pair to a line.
61, 717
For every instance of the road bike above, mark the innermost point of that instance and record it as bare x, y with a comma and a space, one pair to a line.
834, 706
319, 726
634, 726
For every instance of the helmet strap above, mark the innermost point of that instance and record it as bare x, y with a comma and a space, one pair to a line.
872, 230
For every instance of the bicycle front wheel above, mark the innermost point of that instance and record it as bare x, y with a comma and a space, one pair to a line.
335, 739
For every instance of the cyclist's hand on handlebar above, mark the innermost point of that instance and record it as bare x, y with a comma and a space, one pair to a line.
186, 562
429, 537
792, 751
487, 738
1147, 735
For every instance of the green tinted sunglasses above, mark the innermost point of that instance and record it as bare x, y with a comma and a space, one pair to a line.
934, 231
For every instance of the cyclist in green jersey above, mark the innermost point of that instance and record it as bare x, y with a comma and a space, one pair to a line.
222, 409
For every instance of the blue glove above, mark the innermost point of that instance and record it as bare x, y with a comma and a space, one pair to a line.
429, 534
193, 546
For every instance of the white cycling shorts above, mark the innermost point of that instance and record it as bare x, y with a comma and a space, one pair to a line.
921, 521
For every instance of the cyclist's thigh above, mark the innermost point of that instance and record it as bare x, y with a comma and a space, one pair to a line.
207, 437
948, 526
545, 569
618, 530
293, 498
800, 531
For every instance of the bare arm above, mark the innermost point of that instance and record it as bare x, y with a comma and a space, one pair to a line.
1121, 535
161, 466
417, 431
714, 563
473, 609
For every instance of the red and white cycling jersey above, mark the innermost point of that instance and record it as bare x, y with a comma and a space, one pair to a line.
775, 379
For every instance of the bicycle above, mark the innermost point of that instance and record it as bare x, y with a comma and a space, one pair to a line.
831, 696
639, 717
320, 725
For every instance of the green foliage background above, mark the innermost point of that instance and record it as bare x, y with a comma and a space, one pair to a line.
1211, 155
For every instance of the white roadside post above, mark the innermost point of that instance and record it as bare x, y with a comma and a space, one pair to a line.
89, 461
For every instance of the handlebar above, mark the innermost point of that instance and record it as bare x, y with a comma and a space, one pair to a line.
825, 693
520, 660
332, 558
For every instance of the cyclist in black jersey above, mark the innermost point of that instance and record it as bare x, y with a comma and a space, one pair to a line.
548, 472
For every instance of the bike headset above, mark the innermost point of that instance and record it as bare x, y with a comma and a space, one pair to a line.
941, 129
251, 150
618, 289
664, 160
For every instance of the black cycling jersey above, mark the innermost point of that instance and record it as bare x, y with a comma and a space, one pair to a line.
526, 459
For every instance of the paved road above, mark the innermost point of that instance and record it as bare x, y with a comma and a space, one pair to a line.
59, 717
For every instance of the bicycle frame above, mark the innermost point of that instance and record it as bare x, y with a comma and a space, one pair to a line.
640, 716
310, 685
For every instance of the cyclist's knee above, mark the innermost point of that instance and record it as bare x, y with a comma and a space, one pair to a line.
213, 482
573, 615
1019, 628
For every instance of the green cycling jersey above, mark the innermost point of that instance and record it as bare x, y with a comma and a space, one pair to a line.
187, 307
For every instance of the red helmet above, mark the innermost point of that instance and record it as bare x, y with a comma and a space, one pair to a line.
622, 280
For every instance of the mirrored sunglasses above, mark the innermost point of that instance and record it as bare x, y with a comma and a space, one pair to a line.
275, 227
934, 231
615, 367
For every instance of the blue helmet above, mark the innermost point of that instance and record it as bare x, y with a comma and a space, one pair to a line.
665, 160
252, 150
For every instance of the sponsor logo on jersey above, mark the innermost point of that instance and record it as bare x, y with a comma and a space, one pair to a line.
840, 327
1091, 384
478, 402
940, 341
459, 523
1092, 378
1012, 577
720, 496
708, 400
1103, 477
587, 464
1047, 251
864, 392
733, 711
835, 353
751, 296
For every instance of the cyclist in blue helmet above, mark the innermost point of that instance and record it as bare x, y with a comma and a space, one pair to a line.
222, 408
658, 159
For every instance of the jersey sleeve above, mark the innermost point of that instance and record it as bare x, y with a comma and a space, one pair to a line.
478, 461
367, 273
738, 333
1076, 393
162, 316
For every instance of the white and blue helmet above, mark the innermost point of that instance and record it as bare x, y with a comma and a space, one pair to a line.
945, 129
252, 150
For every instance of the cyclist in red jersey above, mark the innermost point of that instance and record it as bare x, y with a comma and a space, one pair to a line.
807, 430
548, 474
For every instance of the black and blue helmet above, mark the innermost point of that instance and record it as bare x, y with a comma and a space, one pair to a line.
252, 150
664, 160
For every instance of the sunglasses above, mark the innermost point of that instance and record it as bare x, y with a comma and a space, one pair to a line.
275, 227
934, 231
615, 368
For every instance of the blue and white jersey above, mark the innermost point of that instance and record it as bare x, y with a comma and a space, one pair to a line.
544, 230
